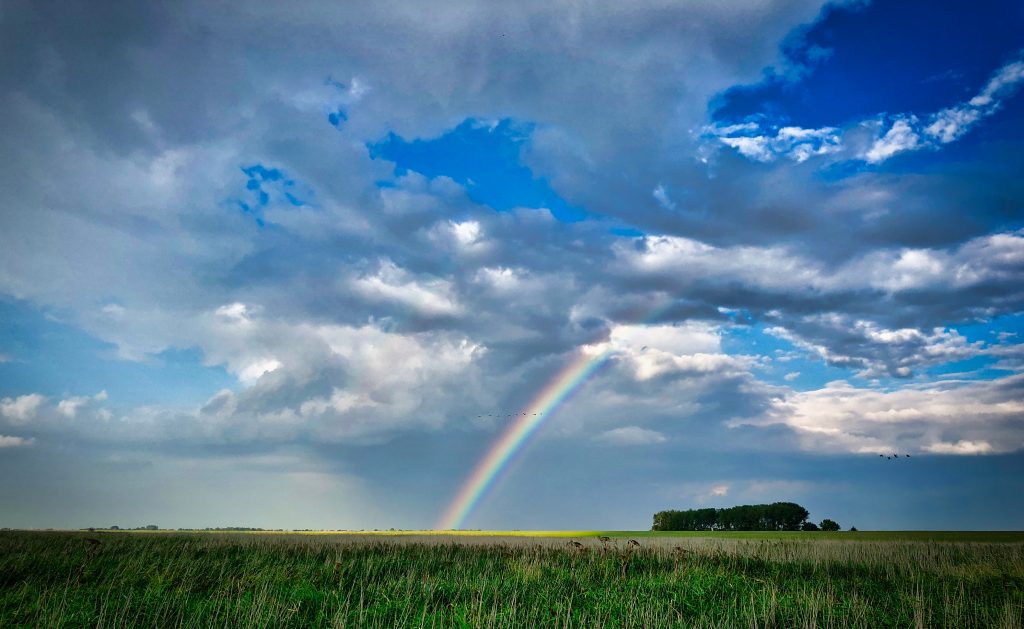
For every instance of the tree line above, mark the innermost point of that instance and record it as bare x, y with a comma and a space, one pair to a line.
777, 516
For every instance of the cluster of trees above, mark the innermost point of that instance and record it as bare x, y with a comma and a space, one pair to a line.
826, 525
777, 516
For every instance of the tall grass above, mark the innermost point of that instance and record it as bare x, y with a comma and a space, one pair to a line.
59, 580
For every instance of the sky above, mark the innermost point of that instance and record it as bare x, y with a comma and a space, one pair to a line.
307, 266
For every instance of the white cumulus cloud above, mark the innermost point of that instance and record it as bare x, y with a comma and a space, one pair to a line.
392, 283
945, 417
21, 409
14, 442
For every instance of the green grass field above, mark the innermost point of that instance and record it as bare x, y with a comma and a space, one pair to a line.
906, 536
518, 579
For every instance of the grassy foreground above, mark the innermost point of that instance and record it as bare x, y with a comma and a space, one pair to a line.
254, 580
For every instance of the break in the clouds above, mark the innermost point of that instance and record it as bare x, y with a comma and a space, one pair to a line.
876, 139
318, 256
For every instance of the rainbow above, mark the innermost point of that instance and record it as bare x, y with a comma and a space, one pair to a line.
530, 418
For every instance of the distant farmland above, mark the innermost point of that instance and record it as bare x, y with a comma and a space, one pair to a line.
520, 579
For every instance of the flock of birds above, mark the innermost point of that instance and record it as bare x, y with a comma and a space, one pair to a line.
893, 456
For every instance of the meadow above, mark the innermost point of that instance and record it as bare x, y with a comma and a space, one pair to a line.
511, 579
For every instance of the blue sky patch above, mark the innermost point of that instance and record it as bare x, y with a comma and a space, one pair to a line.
484, 157
785, 364
58, 360
337, 117
895, 56
263, 185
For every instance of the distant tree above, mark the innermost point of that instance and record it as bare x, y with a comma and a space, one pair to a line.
810, 526
115, 528
152, 527
853, 529
829, 525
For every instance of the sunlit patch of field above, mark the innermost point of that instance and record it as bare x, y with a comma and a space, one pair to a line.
508, 578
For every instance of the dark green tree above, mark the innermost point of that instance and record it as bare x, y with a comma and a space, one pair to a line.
829, 525
810, 526
787, 516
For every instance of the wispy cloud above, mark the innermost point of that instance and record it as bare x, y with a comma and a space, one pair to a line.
631, 436
765, 145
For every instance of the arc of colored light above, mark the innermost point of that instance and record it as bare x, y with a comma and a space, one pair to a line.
531, 417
